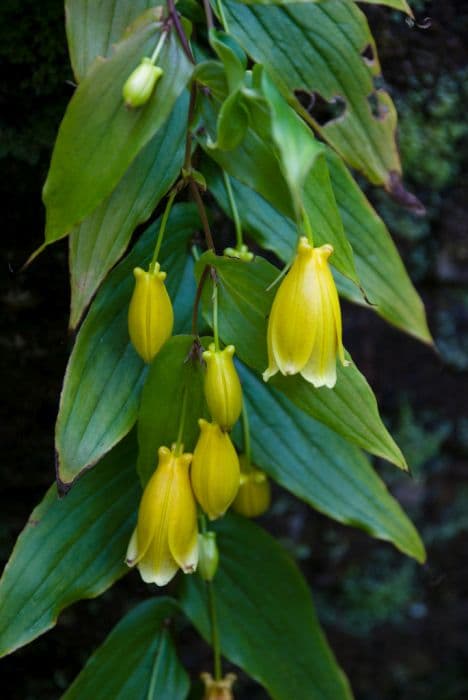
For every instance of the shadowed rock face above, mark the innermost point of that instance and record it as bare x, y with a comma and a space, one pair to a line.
401, 613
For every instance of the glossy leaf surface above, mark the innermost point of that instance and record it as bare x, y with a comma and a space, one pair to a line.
321, 468
267, 621
101, 239
137, 660
381, 271
317, 48
99, 137
93, 27
176, 371
71, 548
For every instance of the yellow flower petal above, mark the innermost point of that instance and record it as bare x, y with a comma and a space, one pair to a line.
222, 386
215, 472
150, 314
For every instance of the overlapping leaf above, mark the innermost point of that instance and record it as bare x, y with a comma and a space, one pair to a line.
317, 48
93, 27
322, 469
266, 617
137, 660
350, 409
104, 376
71, 548
380, 268
254, 164
175, 377
99, 137
101, 239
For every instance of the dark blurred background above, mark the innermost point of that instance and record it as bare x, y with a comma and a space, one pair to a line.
399, 630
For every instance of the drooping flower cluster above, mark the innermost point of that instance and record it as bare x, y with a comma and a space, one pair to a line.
304, 336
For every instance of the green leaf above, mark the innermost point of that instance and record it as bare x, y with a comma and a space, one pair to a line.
93, 27
381, 271
232, 123
177, 370
267, 621
101, 239
255, 164
322, 469
396, 4
379, 265
350, 409
71, 548
317, 48
137, 660
104, 376
99, 137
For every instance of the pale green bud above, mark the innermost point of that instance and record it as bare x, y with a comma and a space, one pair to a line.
140, 84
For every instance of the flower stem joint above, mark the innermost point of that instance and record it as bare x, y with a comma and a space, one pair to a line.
150, 315
222, 386
304, 328
215, 471
166, 535
140, 84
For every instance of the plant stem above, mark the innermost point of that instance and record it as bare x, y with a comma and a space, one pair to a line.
162, 228
180, 30
179, 444
235, 213
215, 643
201, 283
208, 15
215, 312
159, 46
203, 215
246, 431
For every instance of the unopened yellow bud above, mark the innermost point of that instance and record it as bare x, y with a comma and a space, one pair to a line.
304, 329
254, 495
215, 470
166, 535
222, 386
218, 690
208, 555
140, 84
150, 315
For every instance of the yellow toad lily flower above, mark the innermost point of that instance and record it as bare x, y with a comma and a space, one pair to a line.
215, 471
218, 690
304, 329
254, 495
150, 315
166, 536
222, 386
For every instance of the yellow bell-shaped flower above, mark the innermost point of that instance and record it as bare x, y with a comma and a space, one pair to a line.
304, 329
215, 470
166, 535
254, 495
222, 386
150, 315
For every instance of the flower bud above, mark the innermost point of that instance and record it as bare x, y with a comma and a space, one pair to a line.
208, 555
166, 535
218, 690
140, 84
150, 315
254, 495
215, 470
304, 328
222, 386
